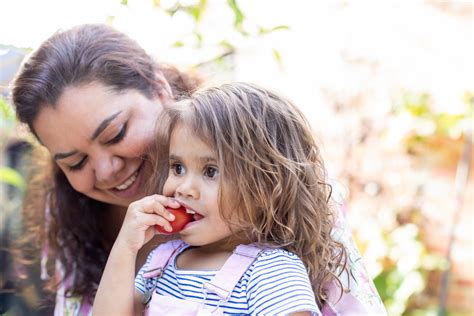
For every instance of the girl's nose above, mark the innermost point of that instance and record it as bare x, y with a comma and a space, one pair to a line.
188, 188
107, 169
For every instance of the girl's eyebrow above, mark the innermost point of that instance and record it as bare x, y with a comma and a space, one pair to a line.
173, 157
207, 159
202, 159
103, 125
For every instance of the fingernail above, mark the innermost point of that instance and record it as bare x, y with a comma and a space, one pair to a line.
168, 228
170, 216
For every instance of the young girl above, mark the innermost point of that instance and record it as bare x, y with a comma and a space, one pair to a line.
243, 162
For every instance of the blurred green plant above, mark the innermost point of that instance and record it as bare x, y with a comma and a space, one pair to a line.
437, 137
242, 27
8, 124
405, 268
410, 272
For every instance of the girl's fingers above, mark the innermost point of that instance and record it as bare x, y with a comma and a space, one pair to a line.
152, 219
155, 204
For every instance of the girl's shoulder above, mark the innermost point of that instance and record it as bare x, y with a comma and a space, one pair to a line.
165, 252
278, 283
277, 260
277, 254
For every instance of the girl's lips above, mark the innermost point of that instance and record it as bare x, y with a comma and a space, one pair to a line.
191, 224
134, 190
196, 217
189, 209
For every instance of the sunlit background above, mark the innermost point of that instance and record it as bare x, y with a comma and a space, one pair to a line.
387, 85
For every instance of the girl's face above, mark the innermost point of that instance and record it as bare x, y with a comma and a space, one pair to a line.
193, 180
98, 137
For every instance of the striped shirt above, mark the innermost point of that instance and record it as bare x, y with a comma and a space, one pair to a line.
275, 284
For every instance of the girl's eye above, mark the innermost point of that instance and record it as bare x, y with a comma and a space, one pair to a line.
120, 135
79, 165
211, 172
178, 168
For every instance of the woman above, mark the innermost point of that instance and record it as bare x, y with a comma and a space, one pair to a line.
91, 96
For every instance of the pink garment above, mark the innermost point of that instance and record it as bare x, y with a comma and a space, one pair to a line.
361, 299
222, 284
360, 296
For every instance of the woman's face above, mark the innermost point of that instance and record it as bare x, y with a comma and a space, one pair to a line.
98, 137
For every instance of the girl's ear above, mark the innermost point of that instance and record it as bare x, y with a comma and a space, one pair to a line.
165, 93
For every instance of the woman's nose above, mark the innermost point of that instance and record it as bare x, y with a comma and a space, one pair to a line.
107, 169
188, 188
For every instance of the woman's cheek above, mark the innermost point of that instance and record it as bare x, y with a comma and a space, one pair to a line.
139, 142
80, 181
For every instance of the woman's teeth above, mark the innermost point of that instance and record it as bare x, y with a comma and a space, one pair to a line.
127, 183
190, 211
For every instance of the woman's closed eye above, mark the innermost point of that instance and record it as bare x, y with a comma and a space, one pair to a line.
120, 135
79, 165
116, 139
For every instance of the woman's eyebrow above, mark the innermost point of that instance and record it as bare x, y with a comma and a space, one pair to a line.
59, 156
104, 125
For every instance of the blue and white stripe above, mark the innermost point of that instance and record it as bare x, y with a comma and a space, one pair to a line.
275, 284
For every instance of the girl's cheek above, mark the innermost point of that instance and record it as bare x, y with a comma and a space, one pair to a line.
167, 188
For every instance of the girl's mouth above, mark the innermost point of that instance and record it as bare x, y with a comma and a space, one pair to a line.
196, 216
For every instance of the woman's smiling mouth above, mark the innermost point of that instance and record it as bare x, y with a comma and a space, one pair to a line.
131, 188
127, 183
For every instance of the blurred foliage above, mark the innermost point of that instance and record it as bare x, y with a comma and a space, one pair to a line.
408, 281
242, 26
7, 127
437, 137
405, 269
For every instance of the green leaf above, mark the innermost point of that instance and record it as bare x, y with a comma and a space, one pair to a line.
195, 12
238, 15
277, 56
227, 45
445, 122
417, 105
199, 38
12, 177
280, 28
124, 2
110, 20
7, 111
263, 31
178, 44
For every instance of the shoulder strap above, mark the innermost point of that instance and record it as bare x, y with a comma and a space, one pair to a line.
225, 280
161, 257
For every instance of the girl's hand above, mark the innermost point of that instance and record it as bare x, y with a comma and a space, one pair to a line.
139, 224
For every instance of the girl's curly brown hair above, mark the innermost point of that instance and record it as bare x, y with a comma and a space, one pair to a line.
271, 166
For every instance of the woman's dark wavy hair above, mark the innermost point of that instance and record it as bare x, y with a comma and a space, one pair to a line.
83, 54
